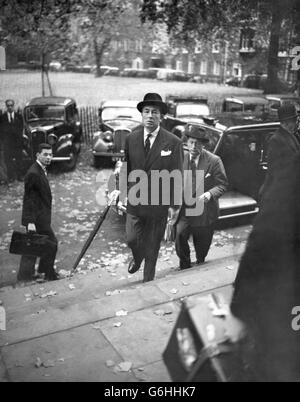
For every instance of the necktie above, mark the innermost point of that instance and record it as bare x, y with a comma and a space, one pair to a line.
193, 168
11, 118
147, 144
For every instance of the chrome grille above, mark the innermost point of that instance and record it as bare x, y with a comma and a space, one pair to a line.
119, 139
38, 137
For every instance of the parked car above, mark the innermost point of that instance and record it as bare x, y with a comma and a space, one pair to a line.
55, 66
54, 120
275, 101
106, 70
254, 81
117, 120
243, 150
244, 110
168, 74
184, 109
234, 81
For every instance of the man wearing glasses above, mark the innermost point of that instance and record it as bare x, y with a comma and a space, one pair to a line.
12, 141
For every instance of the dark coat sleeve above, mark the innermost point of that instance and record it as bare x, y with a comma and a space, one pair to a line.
220, 179
31, 201
177, 163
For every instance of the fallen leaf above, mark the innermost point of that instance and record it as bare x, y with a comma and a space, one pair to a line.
48, 363
110, 363
124, 366
173, 291
121, 313
38, 362
117, 324
95, 326
72, 287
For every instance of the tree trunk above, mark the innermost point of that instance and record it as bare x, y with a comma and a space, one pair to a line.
98, 55
42, 71
273, 83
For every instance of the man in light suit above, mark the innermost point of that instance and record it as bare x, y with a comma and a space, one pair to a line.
201, 226
12, 141
36, 216
150, 148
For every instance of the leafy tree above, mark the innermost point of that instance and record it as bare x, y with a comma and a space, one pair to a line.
189, 20
98, 20
40, 23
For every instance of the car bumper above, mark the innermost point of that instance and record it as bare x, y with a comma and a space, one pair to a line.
61, 159
109, 154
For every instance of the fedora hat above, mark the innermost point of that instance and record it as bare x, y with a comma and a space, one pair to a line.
154, 100
198, 133
286, 112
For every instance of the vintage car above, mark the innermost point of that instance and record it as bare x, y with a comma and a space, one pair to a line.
244, 110
53, 120
117, 120
184, 109
243, 150
275, 101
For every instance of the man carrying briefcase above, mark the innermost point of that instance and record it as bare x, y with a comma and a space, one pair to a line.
36, 216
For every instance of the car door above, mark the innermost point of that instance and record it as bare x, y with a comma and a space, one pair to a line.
244, 153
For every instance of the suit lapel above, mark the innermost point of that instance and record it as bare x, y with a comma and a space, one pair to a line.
155, 150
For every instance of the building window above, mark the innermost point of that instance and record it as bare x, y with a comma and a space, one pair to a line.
216, 68
191, 67
198, 48
126, 45
203, 67
178, 65
139, 45
237, 69
247, 40
216, 47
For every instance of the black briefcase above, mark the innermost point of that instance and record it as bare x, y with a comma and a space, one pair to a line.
29, 243
200, 348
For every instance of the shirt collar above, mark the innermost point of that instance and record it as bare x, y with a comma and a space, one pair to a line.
153, 133
42, 166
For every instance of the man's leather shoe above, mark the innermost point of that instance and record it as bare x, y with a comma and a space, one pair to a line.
133, 267
52, 277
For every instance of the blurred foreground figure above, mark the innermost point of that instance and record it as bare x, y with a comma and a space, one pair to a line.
267, 286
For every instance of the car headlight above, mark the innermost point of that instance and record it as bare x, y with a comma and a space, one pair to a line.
107, 136
52, 139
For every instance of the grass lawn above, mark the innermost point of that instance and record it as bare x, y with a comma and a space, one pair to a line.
88, 90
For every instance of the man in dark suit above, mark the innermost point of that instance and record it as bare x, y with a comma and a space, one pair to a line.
149, 150
199, 224
36, 216
12, 140
283, 146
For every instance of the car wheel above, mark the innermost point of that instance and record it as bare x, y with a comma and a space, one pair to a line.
70, 165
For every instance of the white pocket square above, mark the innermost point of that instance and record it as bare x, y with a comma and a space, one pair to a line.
208, 175
165, 153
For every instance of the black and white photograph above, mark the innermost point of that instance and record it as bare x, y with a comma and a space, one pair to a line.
149, 193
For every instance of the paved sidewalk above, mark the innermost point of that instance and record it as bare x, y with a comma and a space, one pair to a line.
77, 329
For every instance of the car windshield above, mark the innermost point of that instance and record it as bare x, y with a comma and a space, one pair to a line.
254, 107
111, 113
192, 109
49, 112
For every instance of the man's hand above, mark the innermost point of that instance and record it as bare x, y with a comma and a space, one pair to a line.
31, 227
205, 197
173, 215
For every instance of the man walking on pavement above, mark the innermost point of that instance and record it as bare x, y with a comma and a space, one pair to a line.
200, 226
12, 140
149, 149
283, 146
36, 216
